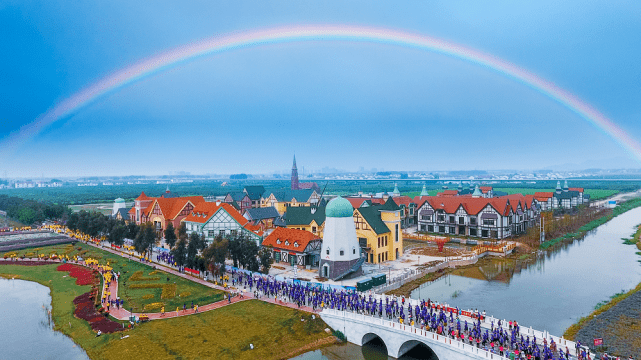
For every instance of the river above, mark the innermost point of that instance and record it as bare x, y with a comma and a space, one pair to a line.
558, 288
550, 293
26, 329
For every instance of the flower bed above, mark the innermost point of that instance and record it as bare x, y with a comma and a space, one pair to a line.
83, 275
138, 276
85, 310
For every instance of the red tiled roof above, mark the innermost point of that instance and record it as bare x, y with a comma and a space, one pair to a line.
448, 193
358, 201
471, 205
485, 189
143, 197
576, 189
208, 209
404, 200
301, 237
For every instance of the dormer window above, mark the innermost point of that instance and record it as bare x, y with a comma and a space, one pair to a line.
278, 241
287, 242
295, 244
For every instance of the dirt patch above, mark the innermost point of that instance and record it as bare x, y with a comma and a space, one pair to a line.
320, 343
433, 251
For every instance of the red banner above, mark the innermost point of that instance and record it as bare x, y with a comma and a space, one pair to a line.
598, 342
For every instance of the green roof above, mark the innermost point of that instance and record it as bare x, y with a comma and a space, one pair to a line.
390, 205
424, 191
338, 208
372, 215
302, 215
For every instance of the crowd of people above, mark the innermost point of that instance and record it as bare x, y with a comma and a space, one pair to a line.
500, 338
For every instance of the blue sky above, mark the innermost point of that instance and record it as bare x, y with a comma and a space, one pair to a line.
333, 103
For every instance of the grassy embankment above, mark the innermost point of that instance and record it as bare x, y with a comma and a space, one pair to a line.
141, 287
225, 333
602, 307
620, 209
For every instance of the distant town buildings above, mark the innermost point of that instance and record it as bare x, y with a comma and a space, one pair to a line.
562, 198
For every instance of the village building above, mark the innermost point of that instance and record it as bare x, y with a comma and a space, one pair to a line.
122, 215
378, 228
295, 247
341, 253
562, 198
262, 217
164, 209
282, 199
211, 219
466, 216
308, 218
239, 200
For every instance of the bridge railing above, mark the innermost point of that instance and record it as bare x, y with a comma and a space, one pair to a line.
417, 332
487, 321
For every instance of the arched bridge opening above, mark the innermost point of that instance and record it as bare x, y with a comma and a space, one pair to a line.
373, 347
416, 350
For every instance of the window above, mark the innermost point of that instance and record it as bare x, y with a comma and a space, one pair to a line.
354, 250
313, 229
211, 233
341, 252
451, 230
278, 241
473, 220
488, 222
452, 219
441, 217
327, 251
287, 242
461, 220
430, 228
295, 244
472, 232
441, 229
396, 232
426, 217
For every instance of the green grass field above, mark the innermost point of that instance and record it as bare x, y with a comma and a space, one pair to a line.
152, 281
224, 333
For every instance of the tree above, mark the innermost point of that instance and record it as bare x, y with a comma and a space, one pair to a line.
180, 252
72, 222
170, 235
192, 249
145, 238
132, 230
117, 234
215, 255
182, 232
266, 259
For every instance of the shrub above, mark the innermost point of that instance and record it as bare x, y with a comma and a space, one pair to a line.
148, 296
168, 291
339, 335
138, 276
153, 306
184, 294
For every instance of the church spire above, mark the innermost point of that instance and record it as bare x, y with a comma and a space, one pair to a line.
294, 176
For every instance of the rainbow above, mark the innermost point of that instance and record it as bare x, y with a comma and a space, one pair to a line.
218, 44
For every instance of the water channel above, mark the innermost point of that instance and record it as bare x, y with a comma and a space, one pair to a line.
550, 293
26, 329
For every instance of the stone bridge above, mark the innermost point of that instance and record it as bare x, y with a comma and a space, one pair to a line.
399, 339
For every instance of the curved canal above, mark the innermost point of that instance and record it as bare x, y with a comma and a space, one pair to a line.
26, 328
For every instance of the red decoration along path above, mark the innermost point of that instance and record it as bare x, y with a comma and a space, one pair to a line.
83, 275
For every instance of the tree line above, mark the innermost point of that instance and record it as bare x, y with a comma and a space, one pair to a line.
31, 212
192, 251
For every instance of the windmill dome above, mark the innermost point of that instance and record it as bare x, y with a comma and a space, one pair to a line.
120, 200
338, 208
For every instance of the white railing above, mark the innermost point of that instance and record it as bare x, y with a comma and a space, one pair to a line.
418, 332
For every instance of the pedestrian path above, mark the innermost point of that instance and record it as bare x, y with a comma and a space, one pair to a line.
123, 314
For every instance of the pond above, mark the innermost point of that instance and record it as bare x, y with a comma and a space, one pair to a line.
554, 291
26, 328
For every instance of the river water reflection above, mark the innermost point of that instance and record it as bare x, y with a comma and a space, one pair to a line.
558, 288
26, 331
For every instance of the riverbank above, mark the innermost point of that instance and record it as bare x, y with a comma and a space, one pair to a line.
225, 333
618, 323
581, 231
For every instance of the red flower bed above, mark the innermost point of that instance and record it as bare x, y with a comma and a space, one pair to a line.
83, 275
85, 310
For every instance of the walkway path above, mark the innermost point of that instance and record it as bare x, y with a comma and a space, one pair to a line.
123, 314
